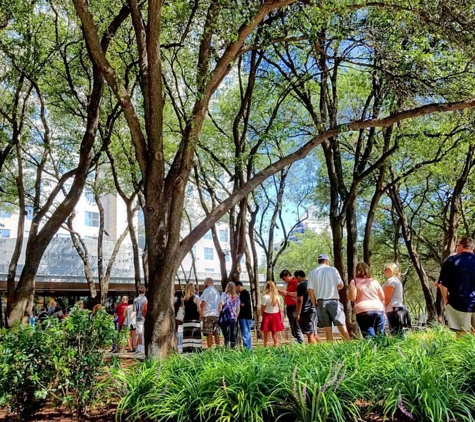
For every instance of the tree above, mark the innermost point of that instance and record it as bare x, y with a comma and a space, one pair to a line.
180, 56
43, 52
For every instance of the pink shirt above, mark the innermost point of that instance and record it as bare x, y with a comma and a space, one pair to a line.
369, 295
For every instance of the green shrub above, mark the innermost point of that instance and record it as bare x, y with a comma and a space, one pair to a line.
29, 367
86, 338
59, 362
430, 376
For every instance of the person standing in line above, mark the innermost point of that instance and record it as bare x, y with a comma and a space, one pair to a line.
140, 306
245, 315
290, 299
52, 308
211, 307
271, 314
230, 301
457, 285
191, 321
306, 314
397, 314
120, 310
131, 323
368, 296
324, 282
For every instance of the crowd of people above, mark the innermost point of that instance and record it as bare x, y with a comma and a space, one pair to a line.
130, 315
307, 303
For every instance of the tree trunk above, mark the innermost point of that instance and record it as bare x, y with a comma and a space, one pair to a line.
39, 239
414, 256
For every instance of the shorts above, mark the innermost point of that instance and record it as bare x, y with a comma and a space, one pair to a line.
460, 321
210, 325
139, 327
308, 323
330, 311
272, 323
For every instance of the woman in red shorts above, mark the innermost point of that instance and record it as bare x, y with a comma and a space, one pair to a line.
271, 315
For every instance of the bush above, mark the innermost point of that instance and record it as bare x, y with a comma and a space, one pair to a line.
424, 377
59, 362
28, 367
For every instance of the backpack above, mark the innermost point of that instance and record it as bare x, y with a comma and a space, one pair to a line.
224, 316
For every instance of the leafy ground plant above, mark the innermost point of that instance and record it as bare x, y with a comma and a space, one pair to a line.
423, 377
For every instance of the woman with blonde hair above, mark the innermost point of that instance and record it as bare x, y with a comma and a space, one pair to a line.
368, 296
271, 315
231, 306
397, 314
191, 321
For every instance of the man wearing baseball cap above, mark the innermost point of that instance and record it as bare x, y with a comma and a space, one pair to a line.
323, 285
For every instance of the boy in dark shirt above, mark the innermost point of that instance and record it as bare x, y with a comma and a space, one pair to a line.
306, 314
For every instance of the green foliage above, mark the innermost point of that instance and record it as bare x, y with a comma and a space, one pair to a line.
303, 253
61, 363
85, 337
28, 366
429, 376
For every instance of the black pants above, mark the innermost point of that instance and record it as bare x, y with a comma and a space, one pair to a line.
230, 333
294, 325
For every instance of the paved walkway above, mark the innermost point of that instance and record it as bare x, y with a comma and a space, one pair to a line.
285, 338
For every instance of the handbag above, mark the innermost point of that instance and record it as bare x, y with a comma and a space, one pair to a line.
180, 315
281, 311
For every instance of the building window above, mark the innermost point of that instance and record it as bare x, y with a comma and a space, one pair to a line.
5, 214
90, 197
209, 256
92, 219
227, 258
209, 270
5, 233
223, 236
208, 235
29, 212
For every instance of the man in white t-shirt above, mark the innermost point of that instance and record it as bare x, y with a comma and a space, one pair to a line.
323, 285
211, 307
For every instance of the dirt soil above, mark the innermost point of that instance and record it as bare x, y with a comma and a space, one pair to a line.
50, 414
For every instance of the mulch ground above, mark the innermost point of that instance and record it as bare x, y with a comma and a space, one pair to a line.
52, 414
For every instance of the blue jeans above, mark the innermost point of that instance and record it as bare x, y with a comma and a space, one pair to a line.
371, 323
245, 325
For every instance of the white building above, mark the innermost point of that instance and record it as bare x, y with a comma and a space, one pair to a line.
61, 261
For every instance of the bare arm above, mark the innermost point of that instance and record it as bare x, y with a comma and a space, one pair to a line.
311, 293
445, 293
352, 291
388, 292
299, 306
286, 293
381, 295
198, 306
